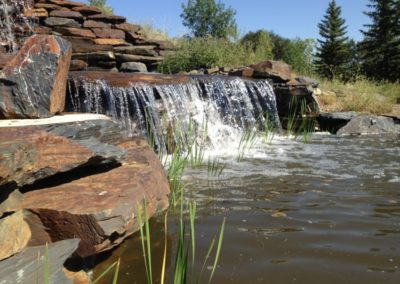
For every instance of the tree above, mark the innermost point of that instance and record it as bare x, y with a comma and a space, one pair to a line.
102, 4
333, 53
259, 43
380, 46
208, 18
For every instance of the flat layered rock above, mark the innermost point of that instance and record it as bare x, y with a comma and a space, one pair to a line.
66, 3
110, 41
109, 33
95, 57
108, 18
34, 81
87, 10
95, 24
29, 266
83, 45
101, 209
85, 33
128, 27
137, 58
66, 14
277, 70
28, 154
146, 50
66, 22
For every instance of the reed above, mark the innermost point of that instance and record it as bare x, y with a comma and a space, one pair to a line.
247, 141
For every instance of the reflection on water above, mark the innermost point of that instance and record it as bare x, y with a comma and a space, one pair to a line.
324, 212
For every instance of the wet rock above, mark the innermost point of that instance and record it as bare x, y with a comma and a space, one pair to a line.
132, 67
20, 230
53, 22
30, 264
277, 70
36, 79
333, 121
369, 124
28, 154
109, 33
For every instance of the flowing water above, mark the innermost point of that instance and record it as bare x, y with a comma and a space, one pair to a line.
327, 211
323, 212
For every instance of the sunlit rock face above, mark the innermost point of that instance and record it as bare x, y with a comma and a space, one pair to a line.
33, 83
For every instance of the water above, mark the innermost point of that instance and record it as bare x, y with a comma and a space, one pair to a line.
13, 23
224, 105
323, 212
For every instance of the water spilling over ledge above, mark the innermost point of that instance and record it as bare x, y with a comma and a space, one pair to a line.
163, 106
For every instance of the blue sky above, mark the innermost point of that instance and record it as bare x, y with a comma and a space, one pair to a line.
288, 18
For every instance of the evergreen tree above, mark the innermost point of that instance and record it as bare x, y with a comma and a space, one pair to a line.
380, 46
333, 53
209, 18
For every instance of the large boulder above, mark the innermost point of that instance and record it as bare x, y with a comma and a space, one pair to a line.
29, 266
279, 71
33, 83
333, 121
369, 124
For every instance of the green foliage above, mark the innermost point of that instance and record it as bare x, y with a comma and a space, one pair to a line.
381, 44
333, 54
207, 18
259, 43
196, 53
102, 4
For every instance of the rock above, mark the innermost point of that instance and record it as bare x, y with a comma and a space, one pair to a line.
36, 79
95, 24
78, 65
137, 58
66, 3
243, 72
108, 18
131, 67
66, 14
214, 70
307, 81
28, 266
103, 213
18, 231
109, 33
4, 59
369, 124
333, 121
146, 50
10, 198
53, 21
80, 277
86, 45
47, 6
42, 30
75, 32
109, 41
277, 70
29, 154
87, 10
94, 57
36, 13
127, 27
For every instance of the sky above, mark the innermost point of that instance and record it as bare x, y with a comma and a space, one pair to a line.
288, 18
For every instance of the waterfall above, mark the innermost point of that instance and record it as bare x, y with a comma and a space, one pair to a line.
167, 112
13, 23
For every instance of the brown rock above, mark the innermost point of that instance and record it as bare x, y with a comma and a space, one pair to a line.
36, 13
108, 18
75, 32
95, 24
47, 6
10, 200
137, 58
35, 79
101, 209
66, 14
78, 65
146, 50
82, 45
214, 70
243, 72
65, 22
41, 30
109, 33
127, 27
80, 277
29, 154
87, 10
20, 230
109, 41
277, 70
94, 57
66, 3
4, 59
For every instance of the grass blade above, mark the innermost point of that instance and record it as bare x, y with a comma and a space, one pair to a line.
221, 236
165, 248
115, 279
104, 273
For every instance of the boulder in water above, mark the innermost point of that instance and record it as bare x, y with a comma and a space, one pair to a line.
369, 124
34, 81
333, 121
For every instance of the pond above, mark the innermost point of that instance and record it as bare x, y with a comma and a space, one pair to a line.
327, 211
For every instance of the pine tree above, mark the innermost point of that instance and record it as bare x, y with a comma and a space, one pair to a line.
380, 46
333, 53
